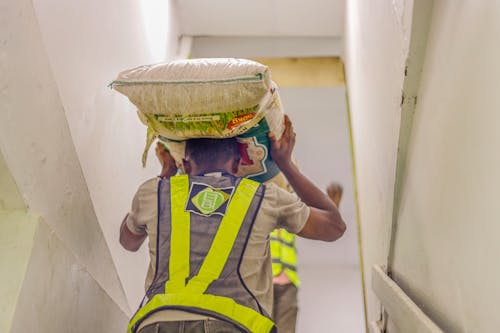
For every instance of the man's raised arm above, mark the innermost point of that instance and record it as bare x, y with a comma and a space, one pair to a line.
324, 222
129, 240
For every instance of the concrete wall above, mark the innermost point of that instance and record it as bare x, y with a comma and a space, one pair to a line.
447, 237
87, 44
254, 47
70, 161
44, 287
16, 239
322, 152
377, 40
445, 224
59, 294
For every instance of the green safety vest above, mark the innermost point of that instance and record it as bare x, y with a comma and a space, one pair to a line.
284, 254
203, 228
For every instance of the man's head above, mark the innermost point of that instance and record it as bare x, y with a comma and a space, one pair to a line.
211, 154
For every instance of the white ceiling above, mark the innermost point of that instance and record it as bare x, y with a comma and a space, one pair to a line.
261, 17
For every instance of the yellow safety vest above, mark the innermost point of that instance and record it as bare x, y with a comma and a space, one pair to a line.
183, 293
284, 254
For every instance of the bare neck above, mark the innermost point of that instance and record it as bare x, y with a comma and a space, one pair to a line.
200, 169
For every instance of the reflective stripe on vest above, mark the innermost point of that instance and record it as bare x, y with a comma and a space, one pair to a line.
191, 295
284, 254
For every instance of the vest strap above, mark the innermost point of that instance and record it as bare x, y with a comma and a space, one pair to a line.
225, 306
285, 265
284, 254
180, 233
282, 241
224, 239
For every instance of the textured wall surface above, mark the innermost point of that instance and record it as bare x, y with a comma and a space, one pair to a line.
37, 147
322, 152
88, 44
16, 243
59, 295
445, 235
70, 155
377, 40
447, 239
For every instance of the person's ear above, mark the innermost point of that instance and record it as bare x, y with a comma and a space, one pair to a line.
235, 165
187, 166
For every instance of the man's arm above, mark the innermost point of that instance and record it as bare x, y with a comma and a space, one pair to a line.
168, 166
129, 240
324, 222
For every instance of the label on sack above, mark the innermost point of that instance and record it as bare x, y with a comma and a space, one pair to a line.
215, 124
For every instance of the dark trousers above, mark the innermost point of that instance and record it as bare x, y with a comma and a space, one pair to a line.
285, 307
192, 326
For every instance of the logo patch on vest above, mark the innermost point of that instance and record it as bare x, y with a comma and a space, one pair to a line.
206, 200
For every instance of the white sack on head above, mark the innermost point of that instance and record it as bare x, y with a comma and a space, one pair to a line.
214, 98
195, 86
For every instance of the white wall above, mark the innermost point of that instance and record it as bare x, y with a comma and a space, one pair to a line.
10, 198
330, 298
71, 148
447, 240
323, 154
40, 163
16, 243
88, 44
59, 295
37, 147
255, 47
377, 41
447, 225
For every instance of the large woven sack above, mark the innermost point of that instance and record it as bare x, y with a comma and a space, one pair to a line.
214, 98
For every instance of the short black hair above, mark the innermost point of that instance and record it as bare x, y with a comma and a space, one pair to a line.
209, 152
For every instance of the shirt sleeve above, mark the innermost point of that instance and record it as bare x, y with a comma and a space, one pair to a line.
290, 212
144, 206
133, 221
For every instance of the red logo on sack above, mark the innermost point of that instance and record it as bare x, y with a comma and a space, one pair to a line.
240, 119
244, 157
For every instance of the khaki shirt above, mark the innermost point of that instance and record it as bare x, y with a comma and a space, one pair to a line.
279, 209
